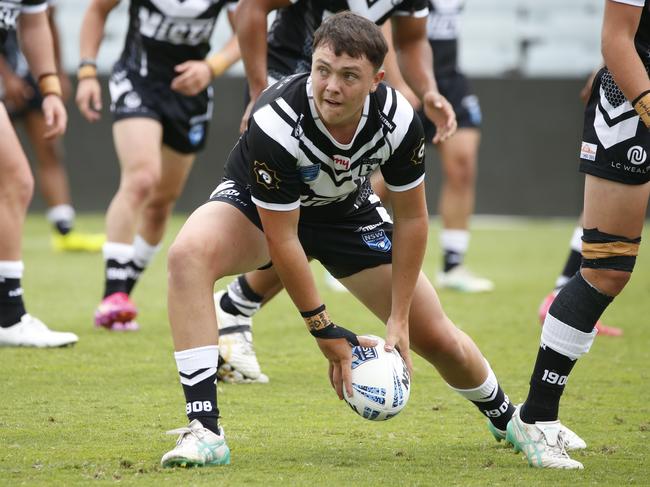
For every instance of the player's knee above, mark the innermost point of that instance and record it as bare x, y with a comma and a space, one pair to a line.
608, 260
607, 281
140, 185
461, 171
158, 211
19, 187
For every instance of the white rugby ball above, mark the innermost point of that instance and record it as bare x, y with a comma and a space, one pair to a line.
380, 381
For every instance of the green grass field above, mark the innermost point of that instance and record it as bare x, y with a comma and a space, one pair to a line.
97, 412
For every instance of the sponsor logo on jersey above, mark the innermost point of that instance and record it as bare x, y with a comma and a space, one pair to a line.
196, 133
309, 173
389, 124
636, 155
588, 151
265, 176
377, 240
341, 163
367, 228
298, 131
363, 354
178, 31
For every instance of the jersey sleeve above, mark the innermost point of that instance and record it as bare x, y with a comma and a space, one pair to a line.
33, 6
413, 8
635, 3
274, 177
404, 168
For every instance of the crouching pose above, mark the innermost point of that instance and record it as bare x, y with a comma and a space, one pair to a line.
296, 186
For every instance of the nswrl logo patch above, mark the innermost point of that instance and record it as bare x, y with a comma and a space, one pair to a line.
363, 354
377, 240
309, 173
196, 134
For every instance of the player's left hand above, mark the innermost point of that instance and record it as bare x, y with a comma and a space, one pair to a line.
441, 113
56, 118
193, 77
397, 337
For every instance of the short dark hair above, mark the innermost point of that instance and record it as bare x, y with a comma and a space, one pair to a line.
353, 35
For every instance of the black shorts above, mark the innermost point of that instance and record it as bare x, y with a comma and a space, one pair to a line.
33, 104
615, 143
455, 88
359, 241
185, 119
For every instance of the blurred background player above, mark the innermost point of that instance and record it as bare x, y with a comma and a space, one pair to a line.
161, 103
614, 157
458, 153
23, 102
574, 259
287, 52
17, 327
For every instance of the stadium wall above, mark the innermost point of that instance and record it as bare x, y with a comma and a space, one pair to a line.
527, 166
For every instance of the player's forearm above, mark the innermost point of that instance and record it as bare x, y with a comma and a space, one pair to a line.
251, 35
409, 245
92, 29
291, 264
56, 44
415, 62
36, 43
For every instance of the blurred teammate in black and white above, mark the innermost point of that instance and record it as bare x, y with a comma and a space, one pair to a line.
23, 101
614, 157
297, 186
17, 327
161, 102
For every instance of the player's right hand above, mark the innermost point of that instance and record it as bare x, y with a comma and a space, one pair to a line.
56, 118
339, 353
441, 113
89, 98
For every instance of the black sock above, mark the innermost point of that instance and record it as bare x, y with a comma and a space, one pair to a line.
201, 397
134, 271
12, 307
451, 259
248, 301
546, 386
578, 306
228, 306
247, 291
116, 276
498, 408
572, 264
63, 226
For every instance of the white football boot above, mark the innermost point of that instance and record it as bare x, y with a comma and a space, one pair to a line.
238, 362
543, 443
460, 278
32, 332
197, 447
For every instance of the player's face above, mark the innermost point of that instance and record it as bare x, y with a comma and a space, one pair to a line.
340, 85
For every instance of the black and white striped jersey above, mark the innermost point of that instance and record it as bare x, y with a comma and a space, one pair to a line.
443, 27
289, 160
164, 33
11, 9
291, 34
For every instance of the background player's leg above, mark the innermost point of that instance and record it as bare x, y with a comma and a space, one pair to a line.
158, 208
434, 337
16, 186
456, 205
614, 214
137, 142
53, 182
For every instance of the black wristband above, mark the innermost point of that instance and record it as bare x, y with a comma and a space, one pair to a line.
640, 96
332, 332
314, 312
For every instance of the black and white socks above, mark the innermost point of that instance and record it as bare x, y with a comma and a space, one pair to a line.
12, 307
